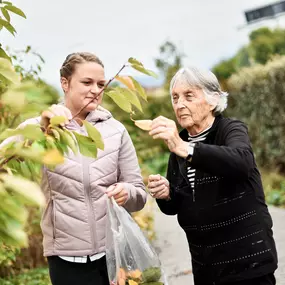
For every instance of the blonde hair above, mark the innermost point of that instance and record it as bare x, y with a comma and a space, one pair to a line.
68, 67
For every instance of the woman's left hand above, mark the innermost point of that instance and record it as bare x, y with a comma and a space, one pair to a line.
119, 193
163, 128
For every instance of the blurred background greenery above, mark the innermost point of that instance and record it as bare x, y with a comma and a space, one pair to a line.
255, 80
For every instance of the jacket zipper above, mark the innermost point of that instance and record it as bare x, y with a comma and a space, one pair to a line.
86, 185
91, 218
193, 194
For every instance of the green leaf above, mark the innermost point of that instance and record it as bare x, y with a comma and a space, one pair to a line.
25, 171
13, 209
35, 94
29, 154
139, 89
67, 139
86, 145
15, 100
55, 133
3, 54
4, 81
15, 10
35, 169
39, 56
130, 96
134, 61
8, 26
94, 134
57, 120
7, 2
15, 234
32, 132
25, 188
143, 70
7, 71
5, 14
139, 67
120, 100
28, 48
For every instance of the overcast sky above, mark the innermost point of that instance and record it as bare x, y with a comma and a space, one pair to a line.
205, 30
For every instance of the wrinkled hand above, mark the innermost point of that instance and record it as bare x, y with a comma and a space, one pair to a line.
55, 110
165, 129
158, 187
119, 193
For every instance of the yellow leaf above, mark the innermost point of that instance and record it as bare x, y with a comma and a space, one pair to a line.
126, 80
121, 281
122, 274
132, 282
135, 274
144, 124
53, 157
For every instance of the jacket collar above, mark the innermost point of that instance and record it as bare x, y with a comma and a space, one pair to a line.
100, 114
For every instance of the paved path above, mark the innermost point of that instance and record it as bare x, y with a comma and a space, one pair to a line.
173, 249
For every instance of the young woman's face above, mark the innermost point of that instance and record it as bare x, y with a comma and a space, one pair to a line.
85, 83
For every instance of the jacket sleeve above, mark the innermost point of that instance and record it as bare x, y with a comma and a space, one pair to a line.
234, 158
130, 175
169, 207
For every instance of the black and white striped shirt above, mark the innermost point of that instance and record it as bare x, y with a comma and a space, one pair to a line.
194, 139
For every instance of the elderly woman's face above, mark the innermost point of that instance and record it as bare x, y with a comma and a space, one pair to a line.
190, 106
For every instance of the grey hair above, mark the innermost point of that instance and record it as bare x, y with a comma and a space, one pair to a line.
207, 81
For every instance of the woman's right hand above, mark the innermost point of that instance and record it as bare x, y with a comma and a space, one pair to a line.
158, 187
55, 110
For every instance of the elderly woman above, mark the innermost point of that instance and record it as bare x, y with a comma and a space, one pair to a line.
214, 186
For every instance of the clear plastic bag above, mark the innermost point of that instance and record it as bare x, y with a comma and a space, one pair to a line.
131, 260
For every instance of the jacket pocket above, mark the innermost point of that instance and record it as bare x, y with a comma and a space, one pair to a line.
53, 216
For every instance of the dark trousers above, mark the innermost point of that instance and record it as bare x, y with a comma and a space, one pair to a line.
63, 272
268, 279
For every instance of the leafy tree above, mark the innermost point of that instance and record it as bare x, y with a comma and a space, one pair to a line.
263, 45
169, 62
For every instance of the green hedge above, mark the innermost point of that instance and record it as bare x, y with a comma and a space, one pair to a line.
257, 97
38, 276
